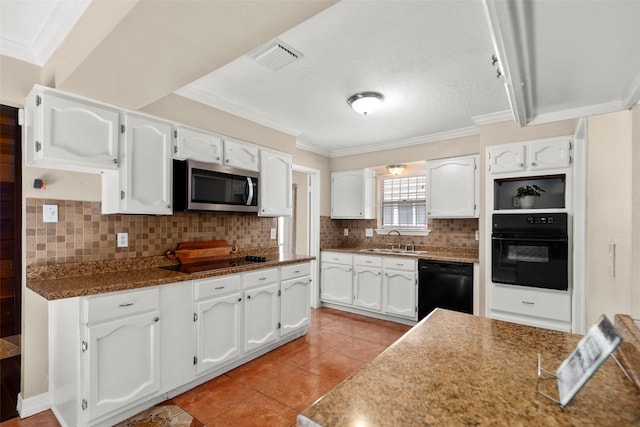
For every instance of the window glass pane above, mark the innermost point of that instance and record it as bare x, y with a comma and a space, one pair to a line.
404, 202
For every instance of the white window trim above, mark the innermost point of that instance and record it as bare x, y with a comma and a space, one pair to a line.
404, 231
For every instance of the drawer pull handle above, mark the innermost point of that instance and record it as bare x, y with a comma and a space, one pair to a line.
528, 303
336, 259
156, 319
219, 287
126, 304
262, 278
399, 264
296, 271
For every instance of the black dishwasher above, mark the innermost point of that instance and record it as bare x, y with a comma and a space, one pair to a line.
446, 285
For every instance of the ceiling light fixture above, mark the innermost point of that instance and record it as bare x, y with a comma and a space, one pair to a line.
396, 169
365, 102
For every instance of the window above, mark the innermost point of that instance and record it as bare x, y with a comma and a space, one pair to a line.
403, 202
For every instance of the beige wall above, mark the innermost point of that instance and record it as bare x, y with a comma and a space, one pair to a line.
635, 217
609, 214
16, 80
322, 164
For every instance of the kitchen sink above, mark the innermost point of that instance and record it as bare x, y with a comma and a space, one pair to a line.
393, 251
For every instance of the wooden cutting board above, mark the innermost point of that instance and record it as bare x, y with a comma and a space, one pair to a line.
201, 251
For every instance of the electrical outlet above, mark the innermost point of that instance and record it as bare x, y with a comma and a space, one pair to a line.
368, 232
273, 234
123, 240
477, 234
346, 232
50, 213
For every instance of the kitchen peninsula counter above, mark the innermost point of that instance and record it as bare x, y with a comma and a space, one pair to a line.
432, 253
70, 280
458, 369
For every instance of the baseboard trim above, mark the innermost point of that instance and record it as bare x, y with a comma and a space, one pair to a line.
33, 405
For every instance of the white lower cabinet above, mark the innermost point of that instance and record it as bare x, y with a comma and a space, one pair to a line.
543, 308
400, 285
260, 317
336, 279
295, 294
218, 319
367, 282
113, 355
377, 284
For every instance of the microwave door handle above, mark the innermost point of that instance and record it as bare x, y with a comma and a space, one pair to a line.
249, 187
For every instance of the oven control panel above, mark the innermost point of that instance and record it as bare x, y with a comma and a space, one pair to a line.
540, 220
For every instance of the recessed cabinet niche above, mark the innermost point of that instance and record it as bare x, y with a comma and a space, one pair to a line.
553, 196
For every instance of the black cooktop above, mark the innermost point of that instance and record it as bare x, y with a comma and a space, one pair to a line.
200, 267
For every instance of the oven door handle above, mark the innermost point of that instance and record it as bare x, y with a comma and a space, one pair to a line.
532, 239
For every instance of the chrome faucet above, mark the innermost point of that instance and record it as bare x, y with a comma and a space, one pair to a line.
399, 238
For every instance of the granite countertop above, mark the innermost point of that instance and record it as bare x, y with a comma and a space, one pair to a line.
457, 369
436, 253
80, 279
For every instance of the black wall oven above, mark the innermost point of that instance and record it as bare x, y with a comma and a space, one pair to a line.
530, 250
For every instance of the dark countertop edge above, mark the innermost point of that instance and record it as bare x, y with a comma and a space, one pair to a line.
87, 285
452, 256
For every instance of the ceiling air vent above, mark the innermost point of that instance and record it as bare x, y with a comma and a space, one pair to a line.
275, 55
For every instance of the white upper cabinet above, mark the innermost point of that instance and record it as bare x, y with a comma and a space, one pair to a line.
143, 182
197, 145
70, 133
275, 193
503, 159
453, 187
353, 194
241, 155
551, 153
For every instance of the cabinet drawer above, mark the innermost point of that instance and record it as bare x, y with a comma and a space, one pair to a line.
205, 288
112, 306
337, 258
399, 263
260, 277
297, 270
367, 261
532, 302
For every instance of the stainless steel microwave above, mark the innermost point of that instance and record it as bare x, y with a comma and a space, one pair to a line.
205, 187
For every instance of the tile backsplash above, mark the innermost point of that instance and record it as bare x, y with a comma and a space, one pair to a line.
83, 233
460, 233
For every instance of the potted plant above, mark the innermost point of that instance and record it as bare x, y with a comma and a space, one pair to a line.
527, 195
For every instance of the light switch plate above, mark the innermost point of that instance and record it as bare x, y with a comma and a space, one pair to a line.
346, 231
273, 234
49, 213
368, 232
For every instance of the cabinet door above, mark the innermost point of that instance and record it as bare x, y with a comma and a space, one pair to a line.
400, 293
346, 194
337, 283
197, 145
71, 133
549, 154
218, 328
260, 317
241, 155
367, 285
453, 187
145, 173
295, 305
275, 184
123, 362
507, 159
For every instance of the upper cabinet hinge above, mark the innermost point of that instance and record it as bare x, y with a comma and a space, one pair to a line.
84, 346
38, 100
121, 195
570, 160
279, 325
175, 133
38, 146
84, 404
195, 317
122, 128
279, 292
175, 148
195, 360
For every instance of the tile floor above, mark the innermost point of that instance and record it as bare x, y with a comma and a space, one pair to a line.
272, 389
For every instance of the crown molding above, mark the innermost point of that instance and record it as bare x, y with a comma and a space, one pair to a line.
54, 29
489, 119
576, 113
206, 98
416, 140
312, 148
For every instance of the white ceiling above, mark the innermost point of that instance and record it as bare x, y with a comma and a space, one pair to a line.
430, 59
